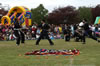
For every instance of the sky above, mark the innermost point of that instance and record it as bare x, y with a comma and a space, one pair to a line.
50, 4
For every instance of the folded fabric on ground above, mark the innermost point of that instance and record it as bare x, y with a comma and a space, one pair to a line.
53, 52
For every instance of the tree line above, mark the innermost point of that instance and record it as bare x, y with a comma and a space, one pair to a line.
65, 15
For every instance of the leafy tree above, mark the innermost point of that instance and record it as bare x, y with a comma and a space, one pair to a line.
39, 13
85, 13
95, 12
64, 15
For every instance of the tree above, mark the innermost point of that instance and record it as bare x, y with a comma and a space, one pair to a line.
95, 12
85, 13
64, 15
39, 13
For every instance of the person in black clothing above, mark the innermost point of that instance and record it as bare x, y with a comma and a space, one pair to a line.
67, 33
44, 32
75, 28
18, 33
88, 31
80, 35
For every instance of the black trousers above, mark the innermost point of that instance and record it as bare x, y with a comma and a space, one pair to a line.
67, 38
44, 35
80, 36
83, 39
19, 36
89, 33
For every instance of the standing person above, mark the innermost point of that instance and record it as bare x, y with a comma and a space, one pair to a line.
88, 31
44, 32
18, 33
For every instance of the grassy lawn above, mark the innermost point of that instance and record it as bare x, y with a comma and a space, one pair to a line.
12, 55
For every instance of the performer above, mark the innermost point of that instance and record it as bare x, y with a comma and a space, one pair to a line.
44, 32
88, 31
67, 33
18, 33
80, 35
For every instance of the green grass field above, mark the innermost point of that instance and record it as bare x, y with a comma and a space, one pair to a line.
12, 55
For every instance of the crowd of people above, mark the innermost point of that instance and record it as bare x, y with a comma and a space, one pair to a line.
55, 32
31, 32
